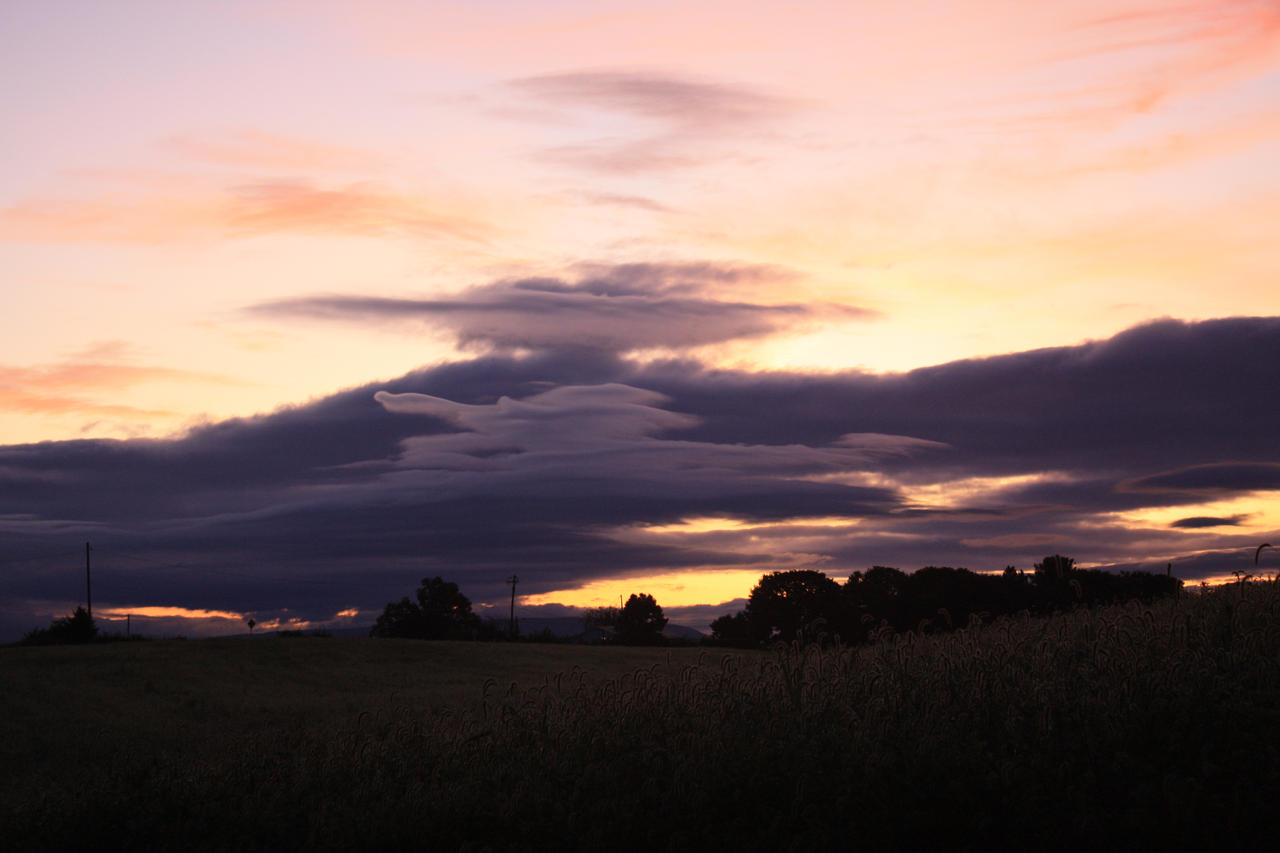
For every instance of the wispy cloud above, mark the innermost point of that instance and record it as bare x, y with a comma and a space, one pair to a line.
673, 101
622, 200
677, 117
77, 386
616, 308
361, 209
266, 207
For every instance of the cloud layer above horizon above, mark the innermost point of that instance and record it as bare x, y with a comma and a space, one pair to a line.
576, 466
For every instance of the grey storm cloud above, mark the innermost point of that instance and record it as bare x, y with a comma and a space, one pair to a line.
619, 308
556, 463
1220, 477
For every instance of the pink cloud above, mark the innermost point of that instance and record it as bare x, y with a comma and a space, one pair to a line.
267, 207
72, 388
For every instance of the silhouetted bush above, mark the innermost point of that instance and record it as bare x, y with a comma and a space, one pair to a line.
79, 627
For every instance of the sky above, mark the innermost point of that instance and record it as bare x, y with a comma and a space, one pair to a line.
301, 302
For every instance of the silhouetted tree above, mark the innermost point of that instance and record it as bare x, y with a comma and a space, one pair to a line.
872, 597
784, 603
738, 629
640, 622
441, 612
79, 627
1055, 567
601, 617
947, 597
1056, 583
935, 598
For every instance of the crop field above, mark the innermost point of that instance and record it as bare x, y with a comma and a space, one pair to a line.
1140, 726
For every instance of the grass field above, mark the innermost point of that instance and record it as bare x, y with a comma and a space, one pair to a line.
1137, 726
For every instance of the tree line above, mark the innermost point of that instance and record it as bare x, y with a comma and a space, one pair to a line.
787, 605
784, 605
440, 611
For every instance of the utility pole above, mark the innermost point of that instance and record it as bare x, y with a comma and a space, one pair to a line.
88, 586
511, 623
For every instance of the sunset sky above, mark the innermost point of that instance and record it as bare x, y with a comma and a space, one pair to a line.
301, 302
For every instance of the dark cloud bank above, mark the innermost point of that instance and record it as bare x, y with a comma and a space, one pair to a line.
552, 462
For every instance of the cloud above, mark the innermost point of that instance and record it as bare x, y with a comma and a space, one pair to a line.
361, 209
1186, 46
678, 118
625, 157
1200, 521
614, 308
1211, 479
264, 207
77, 386
572, 466
622, 200
665, 98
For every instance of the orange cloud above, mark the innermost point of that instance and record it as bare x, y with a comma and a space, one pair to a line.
361, 209
69, 388
168, 612
15, 400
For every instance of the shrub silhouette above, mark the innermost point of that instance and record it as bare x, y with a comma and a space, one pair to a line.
79, 627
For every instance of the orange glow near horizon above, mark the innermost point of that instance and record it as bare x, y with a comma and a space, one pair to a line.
670, 589
1254, 514
116, 613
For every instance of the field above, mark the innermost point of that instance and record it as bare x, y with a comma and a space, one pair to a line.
1135, 726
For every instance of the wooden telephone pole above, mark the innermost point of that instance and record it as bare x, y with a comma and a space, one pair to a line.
511, 622
88, 585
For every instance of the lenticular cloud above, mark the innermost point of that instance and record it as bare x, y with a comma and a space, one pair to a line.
615, 309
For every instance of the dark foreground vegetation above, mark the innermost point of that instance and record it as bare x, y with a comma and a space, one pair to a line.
1135, 726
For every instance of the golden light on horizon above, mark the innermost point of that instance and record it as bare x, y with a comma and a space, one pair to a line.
721, 524
169, 613
1256, 514
670, 589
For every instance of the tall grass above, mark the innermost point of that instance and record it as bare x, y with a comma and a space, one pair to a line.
1135, 726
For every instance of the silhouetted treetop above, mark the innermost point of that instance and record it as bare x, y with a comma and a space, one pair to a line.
784, 603
441, 612
934, 598
640, 621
